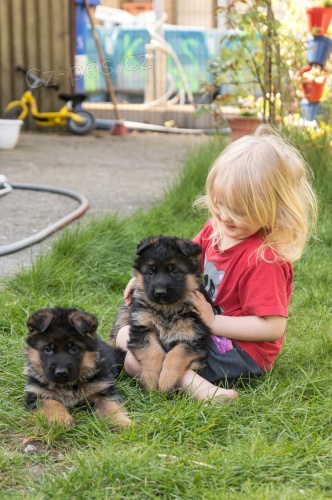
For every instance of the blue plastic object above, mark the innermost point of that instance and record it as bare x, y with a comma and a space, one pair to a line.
310, 110
319, 49
92, 3
81, 21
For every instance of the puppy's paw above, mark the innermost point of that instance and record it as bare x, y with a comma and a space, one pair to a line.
111, 410
168, 381
150, 379
70, 422
57, 414
118, 417
64, 420
123, 420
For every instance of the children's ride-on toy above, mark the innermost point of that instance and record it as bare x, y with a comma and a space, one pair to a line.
79, 122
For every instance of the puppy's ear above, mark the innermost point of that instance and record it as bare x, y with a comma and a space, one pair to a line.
189, 248
83, 322
148, 242
40, 321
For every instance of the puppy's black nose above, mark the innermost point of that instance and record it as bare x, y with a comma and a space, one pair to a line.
61, 372
160, 291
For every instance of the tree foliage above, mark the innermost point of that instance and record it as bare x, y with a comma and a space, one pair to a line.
256, 55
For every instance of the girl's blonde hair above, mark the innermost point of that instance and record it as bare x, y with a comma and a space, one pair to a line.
264, 180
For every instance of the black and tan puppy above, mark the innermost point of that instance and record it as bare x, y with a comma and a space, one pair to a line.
166, 336
67, 365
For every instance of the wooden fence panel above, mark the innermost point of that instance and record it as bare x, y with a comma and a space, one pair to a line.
35, 34
45, 61
6, 80
18, 45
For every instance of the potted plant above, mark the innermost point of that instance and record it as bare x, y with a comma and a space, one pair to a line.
246, 116
251, 59
313, 79
319, 17
256, 56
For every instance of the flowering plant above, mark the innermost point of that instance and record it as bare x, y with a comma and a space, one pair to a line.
314, 73
319, 132
250, 105
323, 3
254, 106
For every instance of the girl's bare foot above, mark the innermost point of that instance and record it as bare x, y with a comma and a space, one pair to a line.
201, 389
219, 396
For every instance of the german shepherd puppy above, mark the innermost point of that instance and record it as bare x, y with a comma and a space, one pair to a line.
67, 365
166, 336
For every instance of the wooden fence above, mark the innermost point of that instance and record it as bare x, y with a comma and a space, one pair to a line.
38, 35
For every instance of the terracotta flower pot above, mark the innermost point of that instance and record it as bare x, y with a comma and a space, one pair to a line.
312, 89
242, 125
319, 19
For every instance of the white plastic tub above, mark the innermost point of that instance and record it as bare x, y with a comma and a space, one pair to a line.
9, 133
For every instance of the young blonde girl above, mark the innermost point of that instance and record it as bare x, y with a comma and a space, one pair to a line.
262, 210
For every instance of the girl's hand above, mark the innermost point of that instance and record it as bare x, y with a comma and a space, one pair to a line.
128, 293
204, 309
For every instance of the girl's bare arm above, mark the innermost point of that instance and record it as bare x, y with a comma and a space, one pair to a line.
251, 328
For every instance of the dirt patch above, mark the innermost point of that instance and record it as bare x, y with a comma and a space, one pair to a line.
115, 174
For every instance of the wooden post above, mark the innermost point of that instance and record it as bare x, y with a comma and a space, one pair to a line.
102, 58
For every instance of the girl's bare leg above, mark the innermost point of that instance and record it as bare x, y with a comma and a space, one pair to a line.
131, 365
201, 389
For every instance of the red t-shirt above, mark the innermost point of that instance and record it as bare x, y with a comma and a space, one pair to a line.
242, 284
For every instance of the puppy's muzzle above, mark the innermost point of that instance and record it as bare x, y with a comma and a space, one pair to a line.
61, 373
160, 291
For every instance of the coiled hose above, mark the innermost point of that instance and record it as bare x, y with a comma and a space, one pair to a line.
6, 187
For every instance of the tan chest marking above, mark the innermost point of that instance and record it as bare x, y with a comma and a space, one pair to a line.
169, 329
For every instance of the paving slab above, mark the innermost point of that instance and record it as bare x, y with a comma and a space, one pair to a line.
115, 173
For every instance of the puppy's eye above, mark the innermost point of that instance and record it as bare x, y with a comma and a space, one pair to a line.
74, 348
174, 270
150, 272
47, 349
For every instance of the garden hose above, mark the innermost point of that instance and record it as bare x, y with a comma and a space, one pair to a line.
6, 187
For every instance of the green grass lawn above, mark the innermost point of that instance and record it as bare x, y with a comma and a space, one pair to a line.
274, 442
